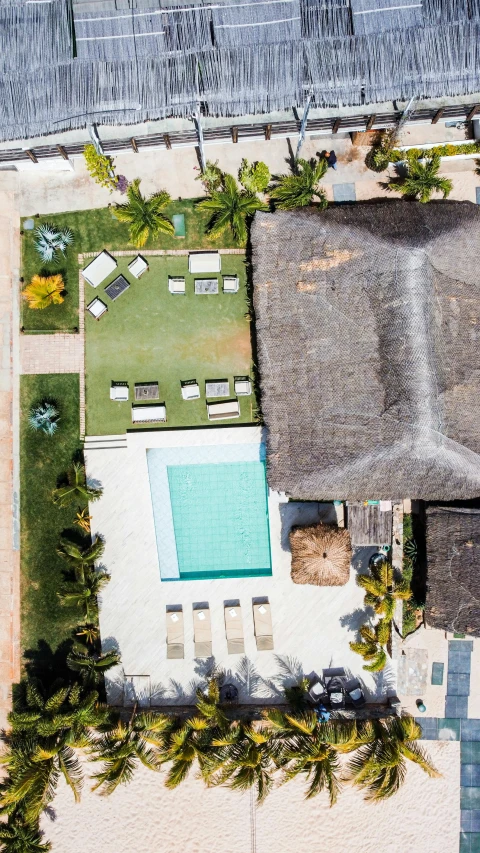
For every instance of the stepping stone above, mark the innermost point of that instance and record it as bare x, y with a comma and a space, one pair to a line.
459, 662
470, 842
456, 706
470, 820
470, 730
470, 752
470, 799
449, 729
458, 684
343, 193
429, 727
470, 775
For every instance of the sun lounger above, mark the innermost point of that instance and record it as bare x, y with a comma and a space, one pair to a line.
222, 411
119, 391
149, 414
202, 633
98, 270
262, 619
97, 308
138, 266
204, 262
234, 630
175, 635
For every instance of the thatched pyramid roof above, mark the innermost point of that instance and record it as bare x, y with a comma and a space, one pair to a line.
321, 555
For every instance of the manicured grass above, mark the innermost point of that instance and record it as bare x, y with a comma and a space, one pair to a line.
95, 230
42, 460
151, 335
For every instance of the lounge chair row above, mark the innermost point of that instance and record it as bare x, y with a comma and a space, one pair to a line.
157, 412
190, 389
202, 630
177, 285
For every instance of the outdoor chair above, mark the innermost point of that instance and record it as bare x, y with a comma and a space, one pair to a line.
119, 392
234, 630
202, 633
176, 284
138, 266
222, 411
98, 270
242, 386
354, 692
190, 389
262, 620
336, 693
96, 308
316, 691
231, 284
175, 634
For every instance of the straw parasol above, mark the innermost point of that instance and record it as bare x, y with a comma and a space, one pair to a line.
321, 555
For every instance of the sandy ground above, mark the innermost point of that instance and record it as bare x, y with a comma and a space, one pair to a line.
147, 817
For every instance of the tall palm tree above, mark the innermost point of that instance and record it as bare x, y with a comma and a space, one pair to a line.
310, 748
122, 747
421, 180
46, 729
379, 766
17, 836
144, 215
92, 666
76, 488
371, 645
383, 587
241, 758
84, 592
81, 557
231, 208
301, 187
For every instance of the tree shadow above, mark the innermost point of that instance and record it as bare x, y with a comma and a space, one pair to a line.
49, 665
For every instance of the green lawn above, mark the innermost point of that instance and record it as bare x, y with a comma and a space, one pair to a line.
151, 335
95, 230
42, 459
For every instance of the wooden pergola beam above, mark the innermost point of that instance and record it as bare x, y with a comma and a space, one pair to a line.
268, 132
438, 115
133, 143
473, 112
336, 125
371, 122
167, 141
62, 151
30, 154
235, 134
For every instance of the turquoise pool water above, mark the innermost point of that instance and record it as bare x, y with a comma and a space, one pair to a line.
220, 519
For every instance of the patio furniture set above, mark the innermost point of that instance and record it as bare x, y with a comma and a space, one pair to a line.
202, 630
99, 269
190, 390
335, 690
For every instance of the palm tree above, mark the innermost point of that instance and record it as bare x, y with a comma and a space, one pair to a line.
76, 488
81, 557
371, 644
84, 592
92, 666
383, 587
44, 291
90, 633
311, 748
301, 187
144, 215
379, 766
47, 728
241, 758
122, 747
17, 836
422, 180
44, 418
231, 208
83, 519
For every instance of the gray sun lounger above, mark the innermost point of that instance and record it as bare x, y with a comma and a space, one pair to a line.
175, 634
202, 633
262, 619
234, 630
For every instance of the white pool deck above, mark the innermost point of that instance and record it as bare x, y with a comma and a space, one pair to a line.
312, 625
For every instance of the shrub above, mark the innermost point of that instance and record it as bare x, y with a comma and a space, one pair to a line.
441, 150
44, 418
100, 168
211, 178
254, 177
44, 291
51, 243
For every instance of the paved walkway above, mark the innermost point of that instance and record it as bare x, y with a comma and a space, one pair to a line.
51, 353
9, 492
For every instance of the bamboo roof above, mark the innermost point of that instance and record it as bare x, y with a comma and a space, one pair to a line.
321, 555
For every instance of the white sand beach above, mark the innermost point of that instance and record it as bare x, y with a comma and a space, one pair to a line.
146, 817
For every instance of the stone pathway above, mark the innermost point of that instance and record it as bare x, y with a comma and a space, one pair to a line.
59, 353
9, 466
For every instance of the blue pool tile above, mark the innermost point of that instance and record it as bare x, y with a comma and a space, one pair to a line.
470, 842
459, 662
470, 730
449, 729
470, 820
458, 684
469, 751
456, 706
429, 726
470, 775
470, 798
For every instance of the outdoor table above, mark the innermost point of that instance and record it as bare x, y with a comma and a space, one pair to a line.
117, 287
147, 391
206, 285
217, 389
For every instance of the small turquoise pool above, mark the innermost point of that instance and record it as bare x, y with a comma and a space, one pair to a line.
220, 519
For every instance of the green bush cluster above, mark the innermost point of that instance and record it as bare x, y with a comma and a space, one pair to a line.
395, 156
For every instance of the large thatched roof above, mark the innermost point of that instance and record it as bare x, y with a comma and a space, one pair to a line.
321, 555
368, 328
453, 569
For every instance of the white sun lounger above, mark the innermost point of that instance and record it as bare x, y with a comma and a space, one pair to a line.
175, 634
262, 619
204, 262
98, 270
222, 411
202, 633
234, 630
149, 414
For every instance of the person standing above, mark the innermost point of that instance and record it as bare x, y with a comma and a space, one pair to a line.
331, 159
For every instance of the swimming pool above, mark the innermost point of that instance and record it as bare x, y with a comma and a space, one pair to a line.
220, 519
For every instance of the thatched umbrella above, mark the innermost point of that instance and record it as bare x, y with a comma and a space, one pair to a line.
321, 555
